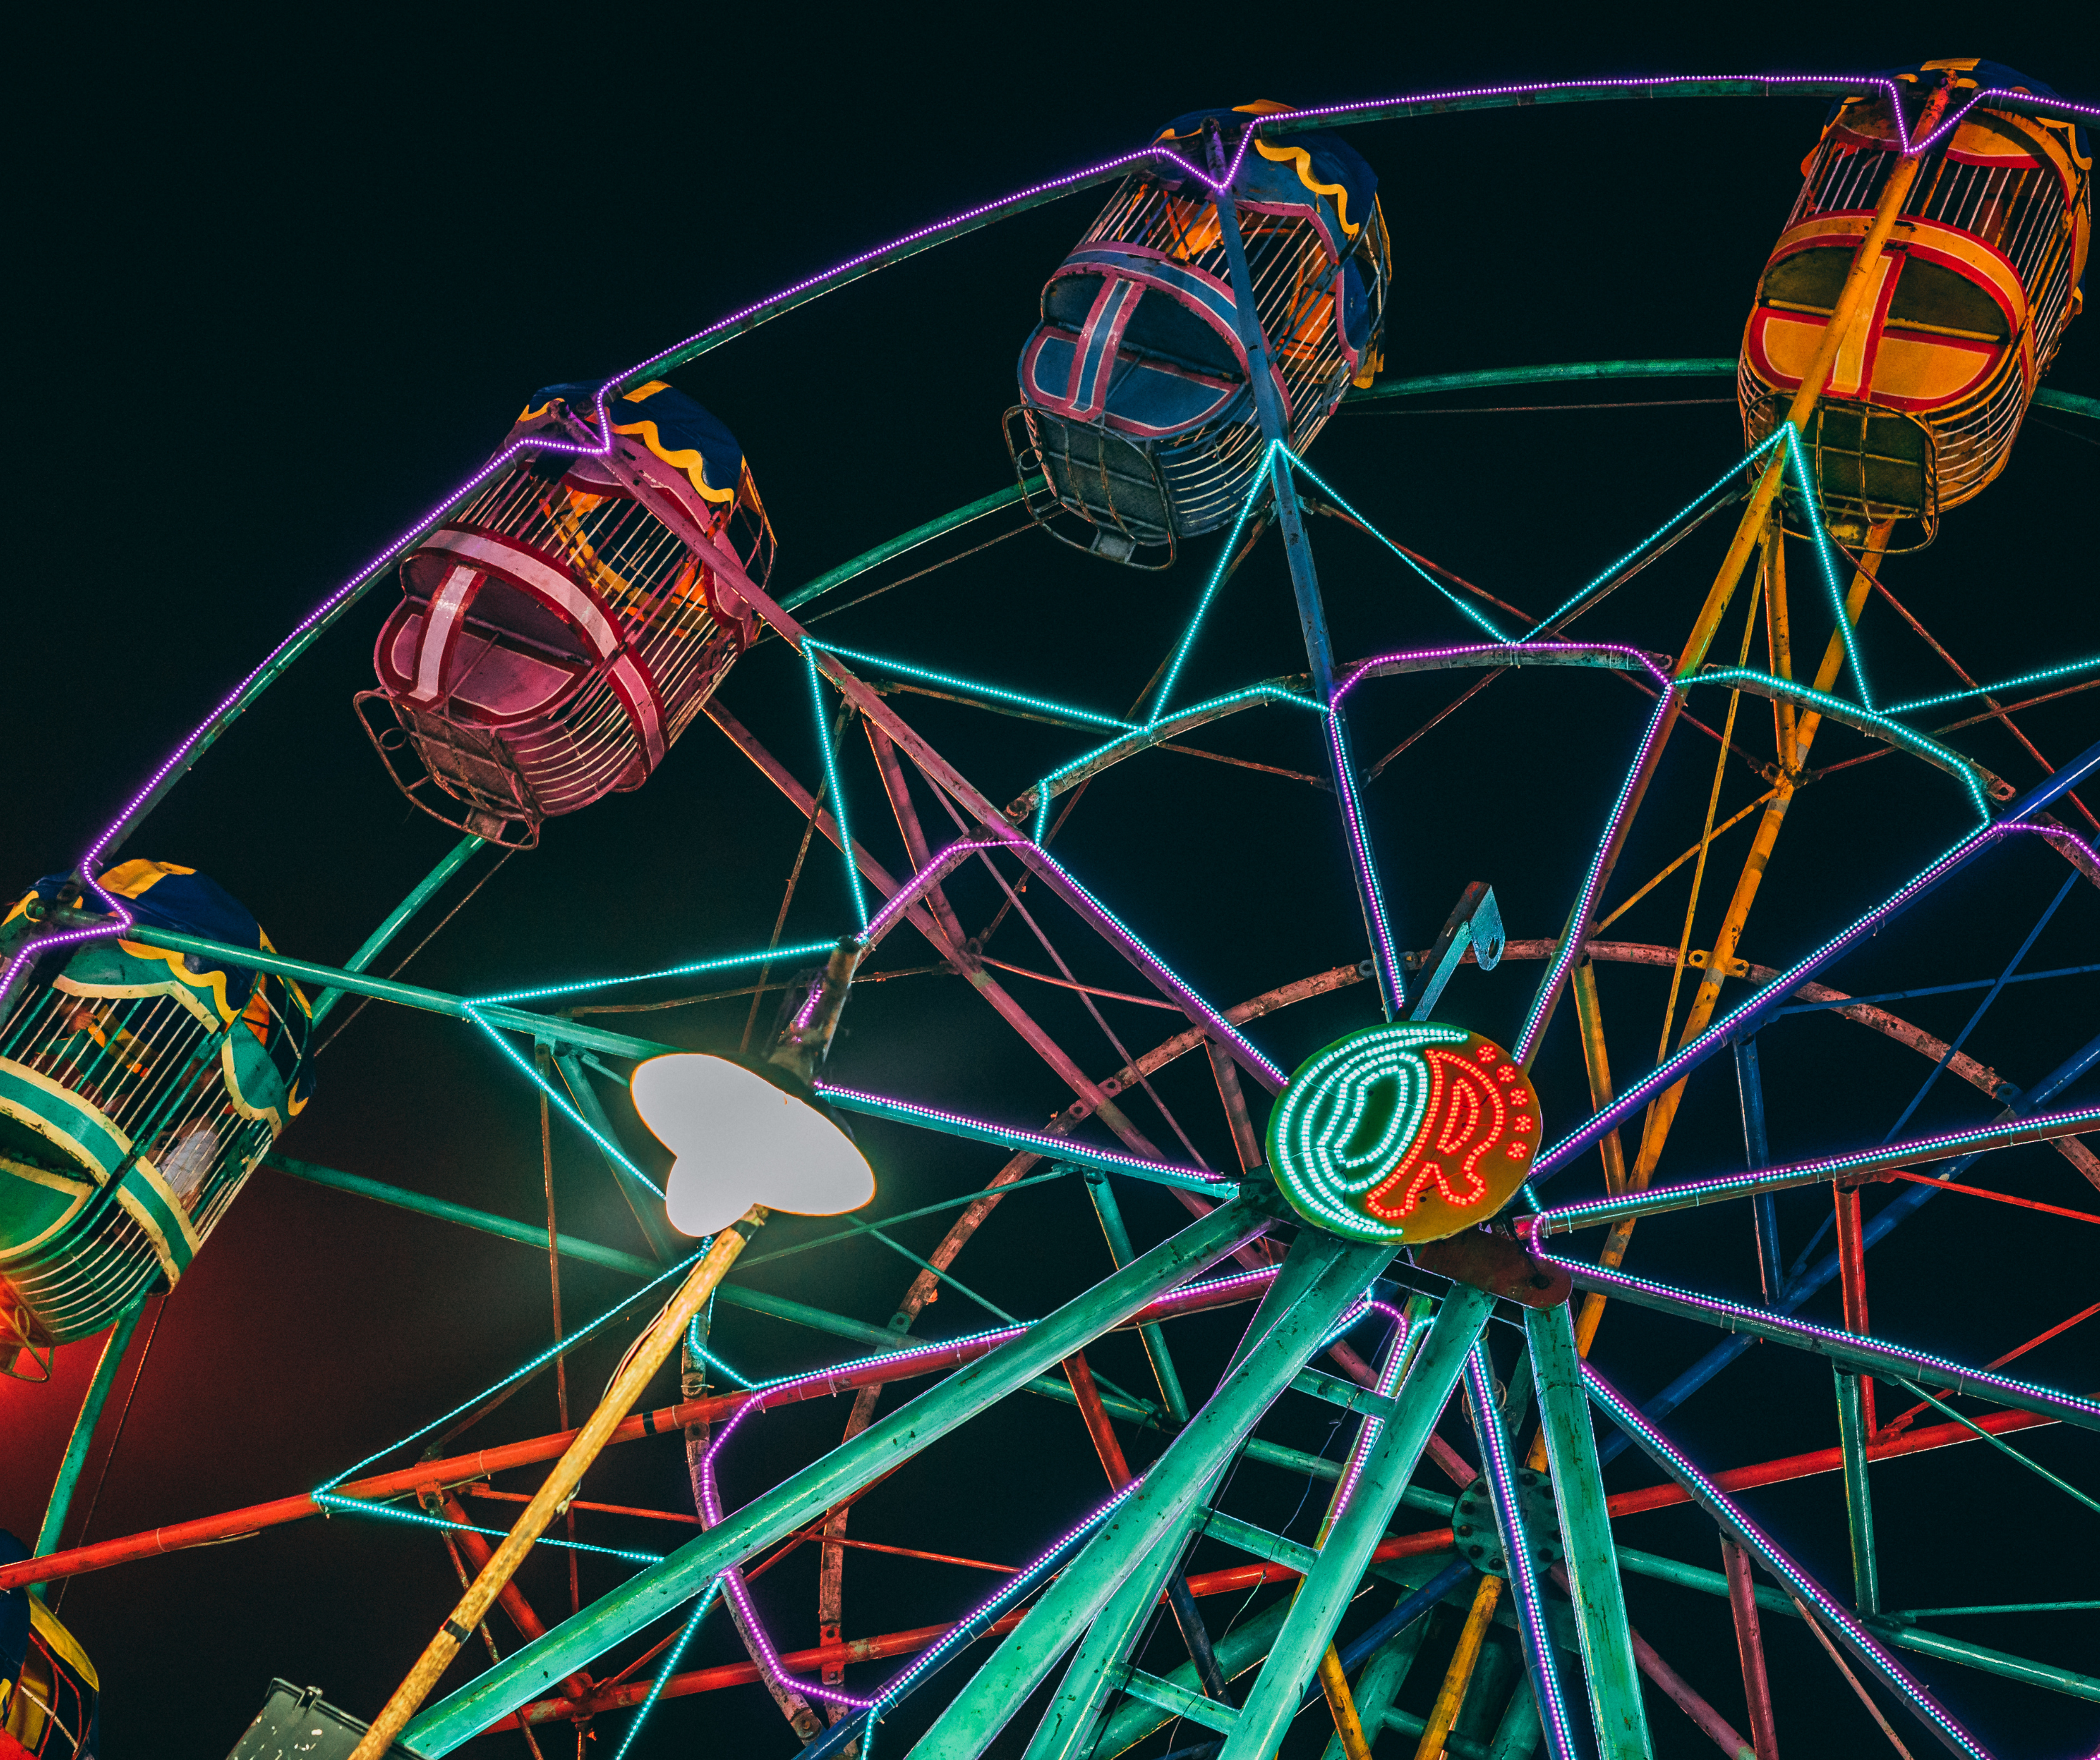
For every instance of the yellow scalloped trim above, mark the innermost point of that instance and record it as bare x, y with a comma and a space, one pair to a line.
1302, 160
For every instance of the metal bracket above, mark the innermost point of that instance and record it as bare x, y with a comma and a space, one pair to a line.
1476, 921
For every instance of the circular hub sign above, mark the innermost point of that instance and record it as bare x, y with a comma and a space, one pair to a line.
1407, 1132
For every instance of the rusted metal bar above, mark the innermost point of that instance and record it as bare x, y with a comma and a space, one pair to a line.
1750, 1646
1852, 1282
511, 1597
1682, 1694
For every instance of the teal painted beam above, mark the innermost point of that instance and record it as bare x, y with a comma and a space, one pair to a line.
1858, 1500
1586, 1531
1066, 1729
662, 1589
526, 1234
1346, 1552
647, 1205
375, 944
1105, 1207
911, 540
1318, 1282
555, 1028
74, 1461
1180, 1701
1378, 1685
1718, 366
1890, 1629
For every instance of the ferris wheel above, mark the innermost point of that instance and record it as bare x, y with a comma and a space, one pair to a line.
1383, 1241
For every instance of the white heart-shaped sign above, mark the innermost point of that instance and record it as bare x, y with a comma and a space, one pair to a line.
740, 1141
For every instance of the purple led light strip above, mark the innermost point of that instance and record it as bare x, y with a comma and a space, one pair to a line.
1942, 1145
937, 870
1388, 1379
1907, 146
1696, 1051
1039, 857
1861, 1346
1009, 1136
1586, 900
1516, 1551
1833, 1612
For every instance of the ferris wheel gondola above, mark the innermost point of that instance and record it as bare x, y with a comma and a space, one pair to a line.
561, 630
1972, 296
1137, 410
139, 1088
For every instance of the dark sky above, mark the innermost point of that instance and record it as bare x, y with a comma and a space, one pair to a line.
283, 281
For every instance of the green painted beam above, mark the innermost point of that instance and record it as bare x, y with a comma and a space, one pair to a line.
526, 1234
74, 1461
646, 1204
1719, 366
1346, 1552
662, 1589
911, 540
1701, 366
1180, 1701
375, 944
1858, 1501
1066, 1729
556, 1029
1585, 1530
1890, 1629
1318, 1282
1102, 1194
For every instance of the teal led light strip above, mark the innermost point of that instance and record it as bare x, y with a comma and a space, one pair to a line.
1919, 744
756, 956
992, 693
670, 1667
831, 781
590, 1329
1792, 435
693, 1345
1268, 693
2069, 669
329, 1501
561, 1100
1210, 591
1465, 609
1676, 519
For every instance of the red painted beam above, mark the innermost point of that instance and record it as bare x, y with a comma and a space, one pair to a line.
459, 1469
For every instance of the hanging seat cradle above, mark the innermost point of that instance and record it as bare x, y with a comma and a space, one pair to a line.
139, 1088
1137, 419
1972, 295
560, 630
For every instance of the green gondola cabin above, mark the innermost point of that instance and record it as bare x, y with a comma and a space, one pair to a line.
139, 1088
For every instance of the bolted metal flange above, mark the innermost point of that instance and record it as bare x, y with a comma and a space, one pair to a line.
1480, 1537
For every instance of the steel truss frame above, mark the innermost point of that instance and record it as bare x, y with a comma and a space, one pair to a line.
1103, 1598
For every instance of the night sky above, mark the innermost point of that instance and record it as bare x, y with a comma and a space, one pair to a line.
286, 281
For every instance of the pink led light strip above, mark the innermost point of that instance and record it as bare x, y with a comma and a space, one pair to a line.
1940, 1147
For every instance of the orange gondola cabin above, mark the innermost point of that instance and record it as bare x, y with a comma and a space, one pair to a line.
1979, 280
139, 1088
1136, 425
559, 631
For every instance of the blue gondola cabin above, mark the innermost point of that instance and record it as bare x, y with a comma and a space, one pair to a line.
559, 631
139, 1088
1971, 298
1136, 409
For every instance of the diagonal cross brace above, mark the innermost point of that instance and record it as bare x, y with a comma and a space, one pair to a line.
1325, 1593
1319, 1282
662, 1588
